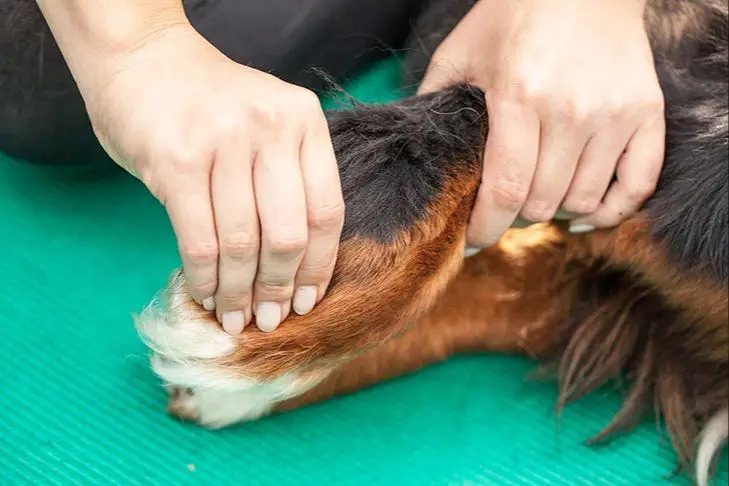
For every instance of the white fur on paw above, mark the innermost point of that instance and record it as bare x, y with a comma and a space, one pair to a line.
712, 439
217, 407
185, 355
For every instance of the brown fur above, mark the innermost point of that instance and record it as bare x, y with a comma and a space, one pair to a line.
494, 320
670, 22
376, 291
521, 297
597, 307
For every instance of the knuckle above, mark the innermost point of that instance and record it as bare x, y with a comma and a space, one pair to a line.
581, 204
610, 220
614, 108
641, 190
306, 100
315, 272
538, 211
204, 288
274, 290
266, 116
183, 159
233, 298
241, 245
577, 110
287, 243
528, 92
200, 253
527, 86
508, 193
229, 124
327, 216
643, 107
655, 103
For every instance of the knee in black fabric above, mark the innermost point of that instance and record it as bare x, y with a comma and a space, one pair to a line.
42, 115
290, 37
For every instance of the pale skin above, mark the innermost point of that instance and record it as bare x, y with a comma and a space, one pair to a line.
573, 99
243, 162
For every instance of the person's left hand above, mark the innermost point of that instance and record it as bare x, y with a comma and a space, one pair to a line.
576, 113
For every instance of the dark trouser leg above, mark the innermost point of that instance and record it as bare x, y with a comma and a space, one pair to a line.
42, 116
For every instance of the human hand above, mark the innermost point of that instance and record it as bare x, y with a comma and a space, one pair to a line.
573, 101
243, 164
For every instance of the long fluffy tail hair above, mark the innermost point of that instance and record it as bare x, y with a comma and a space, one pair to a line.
654, 309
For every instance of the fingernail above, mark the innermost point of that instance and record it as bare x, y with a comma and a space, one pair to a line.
209, 304
268, 316
581, 228
304, 299
233, 322
470, 251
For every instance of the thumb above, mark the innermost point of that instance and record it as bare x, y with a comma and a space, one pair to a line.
444, 71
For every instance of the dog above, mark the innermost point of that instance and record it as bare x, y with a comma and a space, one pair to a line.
647, 300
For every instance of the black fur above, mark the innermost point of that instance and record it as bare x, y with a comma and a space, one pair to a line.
618, 325
411, 149
689, 211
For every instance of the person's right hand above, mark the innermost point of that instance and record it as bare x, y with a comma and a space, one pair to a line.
243, 163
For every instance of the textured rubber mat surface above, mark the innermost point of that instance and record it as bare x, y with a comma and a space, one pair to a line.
78, 404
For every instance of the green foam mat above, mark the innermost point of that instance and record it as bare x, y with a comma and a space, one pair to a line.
80, 252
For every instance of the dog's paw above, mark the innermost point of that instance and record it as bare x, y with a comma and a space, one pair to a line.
205, 369
218, 406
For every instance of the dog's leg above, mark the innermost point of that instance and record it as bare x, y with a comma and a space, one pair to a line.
554, 296
490, 307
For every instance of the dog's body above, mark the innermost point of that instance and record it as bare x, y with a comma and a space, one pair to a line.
647, 300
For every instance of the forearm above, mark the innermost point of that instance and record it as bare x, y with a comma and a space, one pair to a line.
88, 31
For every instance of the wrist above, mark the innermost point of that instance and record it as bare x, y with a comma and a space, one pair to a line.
90, 33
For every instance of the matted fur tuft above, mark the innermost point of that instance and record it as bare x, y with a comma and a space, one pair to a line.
622, 328
623, 331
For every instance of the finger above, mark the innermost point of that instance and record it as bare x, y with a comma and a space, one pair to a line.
595, 170
452, 63
441, 73
637, 175
238, 235
191, 214
560, 147
510, 158
280, 197
325, 214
